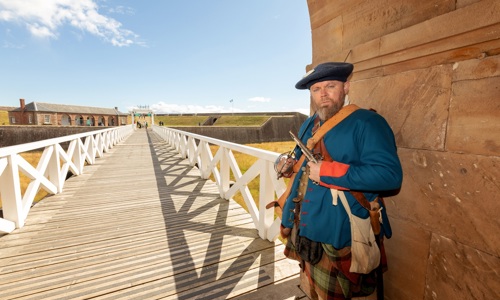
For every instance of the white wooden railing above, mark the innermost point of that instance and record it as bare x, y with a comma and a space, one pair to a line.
196, 149
51, 170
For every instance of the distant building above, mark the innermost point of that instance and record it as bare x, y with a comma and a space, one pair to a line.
38, 113
7, 108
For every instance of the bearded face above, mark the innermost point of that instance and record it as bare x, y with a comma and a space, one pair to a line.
324, 113
328, 97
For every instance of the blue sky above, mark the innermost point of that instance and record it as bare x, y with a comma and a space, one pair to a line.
174, 56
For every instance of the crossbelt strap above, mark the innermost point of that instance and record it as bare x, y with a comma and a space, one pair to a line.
330, 123
318, 135
361, 199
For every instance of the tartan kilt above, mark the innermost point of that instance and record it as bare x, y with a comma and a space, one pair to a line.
330, 278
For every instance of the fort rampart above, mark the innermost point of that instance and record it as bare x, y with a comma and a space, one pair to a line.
15, 135
273, 130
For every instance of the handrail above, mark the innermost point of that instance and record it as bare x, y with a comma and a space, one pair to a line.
51, 170
196, 149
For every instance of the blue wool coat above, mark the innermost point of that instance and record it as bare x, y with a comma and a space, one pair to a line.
365, 159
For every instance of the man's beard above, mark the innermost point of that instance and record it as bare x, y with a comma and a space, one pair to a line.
325, 113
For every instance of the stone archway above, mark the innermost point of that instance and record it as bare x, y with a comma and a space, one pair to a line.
142, 114
79, 120
101, 121
65, 120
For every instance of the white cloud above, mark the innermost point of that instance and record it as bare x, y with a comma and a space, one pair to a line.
259, 99
122, 10
40, 31
10, 45
43, 18
163, 108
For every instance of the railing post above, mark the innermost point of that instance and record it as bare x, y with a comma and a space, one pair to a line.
191, 151
204, 161
99, 145
11, 193
224, 170
266, 216
89, 149
54, 167
183, 144
78, 156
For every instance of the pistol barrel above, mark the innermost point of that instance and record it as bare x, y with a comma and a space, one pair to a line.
309, 155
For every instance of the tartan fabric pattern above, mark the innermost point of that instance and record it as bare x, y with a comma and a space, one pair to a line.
330, 279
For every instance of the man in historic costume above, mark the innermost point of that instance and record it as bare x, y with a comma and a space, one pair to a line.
357, 155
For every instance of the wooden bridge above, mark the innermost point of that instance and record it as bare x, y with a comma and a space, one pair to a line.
140, 223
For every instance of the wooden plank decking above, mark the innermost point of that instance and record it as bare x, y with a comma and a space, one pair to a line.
141, 224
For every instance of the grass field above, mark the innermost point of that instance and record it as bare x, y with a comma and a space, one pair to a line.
32, 158
180, 120
222, 121
241, 120
4, 117
246, 161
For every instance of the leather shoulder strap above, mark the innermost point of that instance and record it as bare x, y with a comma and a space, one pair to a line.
330, 123
360, 197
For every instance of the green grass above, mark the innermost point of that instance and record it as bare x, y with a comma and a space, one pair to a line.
4, 117
241, 120
224, 120
181, 120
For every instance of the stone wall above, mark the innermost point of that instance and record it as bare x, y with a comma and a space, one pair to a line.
432, 69
15, 135
274, 130
65, 119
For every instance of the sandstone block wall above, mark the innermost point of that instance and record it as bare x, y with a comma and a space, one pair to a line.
432, 69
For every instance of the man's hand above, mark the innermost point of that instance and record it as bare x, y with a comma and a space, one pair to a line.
284, 165
314, 170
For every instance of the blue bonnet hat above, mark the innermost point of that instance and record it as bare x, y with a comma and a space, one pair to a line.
326, 71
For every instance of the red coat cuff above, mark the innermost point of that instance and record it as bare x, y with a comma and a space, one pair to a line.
333, 169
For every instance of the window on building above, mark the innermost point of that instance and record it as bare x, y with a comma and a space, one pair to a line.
30, 119
12, 120
46, 119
